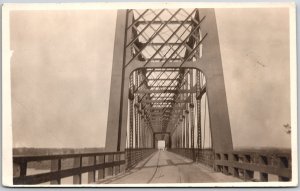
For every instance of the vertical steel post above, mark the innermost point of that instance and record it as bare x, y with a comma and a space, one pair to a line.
216, 94
117, 115
136, 107
131, 98
187, 145
198, 90
183, 132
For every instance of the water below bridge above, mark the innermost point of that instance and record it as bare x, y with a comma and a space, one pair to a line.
167, 167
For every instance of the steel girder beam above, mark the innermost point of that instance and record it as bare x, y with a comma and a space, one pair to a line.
166, 101
166, 110
177, 22
180, 91
145, 91
160, 113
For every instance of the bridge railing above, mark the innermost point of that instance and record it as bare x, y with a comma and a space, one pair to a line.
134, 156
53, 169
247, 164
204, 156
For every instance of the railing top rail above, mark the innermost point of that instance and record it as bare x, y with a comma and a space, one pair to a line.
20, 158
286, 153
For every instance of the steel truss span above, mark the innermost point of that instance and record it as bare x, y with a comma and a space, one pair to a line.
162, 99
167, 84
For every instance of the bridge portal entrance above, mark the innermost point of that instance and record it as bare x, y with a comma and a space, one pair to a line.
167, 69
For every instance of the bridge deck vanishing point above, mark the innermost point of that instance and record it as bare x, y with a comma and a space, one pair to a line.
167, 167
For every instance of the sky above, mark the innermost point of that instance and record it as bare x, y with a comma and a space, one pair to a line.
61, 68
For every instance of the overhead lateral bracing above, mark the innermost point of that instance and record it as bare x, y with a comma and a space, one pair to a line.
162, 97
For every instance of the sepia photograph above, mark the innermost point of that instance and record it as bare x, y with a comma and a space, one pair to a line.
149, 95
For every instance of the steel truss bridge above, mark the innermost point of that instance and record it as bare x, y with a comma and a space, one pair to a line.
167, 84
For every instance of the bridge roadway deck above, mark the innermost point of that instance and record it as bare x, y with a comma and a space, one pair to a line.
168, 167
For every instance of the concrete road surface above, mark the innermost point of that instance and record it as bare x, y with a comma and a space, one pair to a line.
167, 167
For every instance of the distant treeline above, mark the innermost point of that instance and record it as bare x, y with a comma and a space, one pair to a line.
29, 151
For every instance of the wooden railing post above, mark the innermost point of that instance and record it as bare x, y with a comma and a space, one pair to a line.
225, 168
23, 168
123, 166
92, 174
248, 174
283, 164
55, 166
128, 158
218, 167
109, 170
77, 164
16, 169
235, 171
101, 172
117, 168
263, 160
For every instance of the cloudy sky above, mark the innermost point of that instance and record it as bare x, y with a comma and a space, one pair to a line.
61, 67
